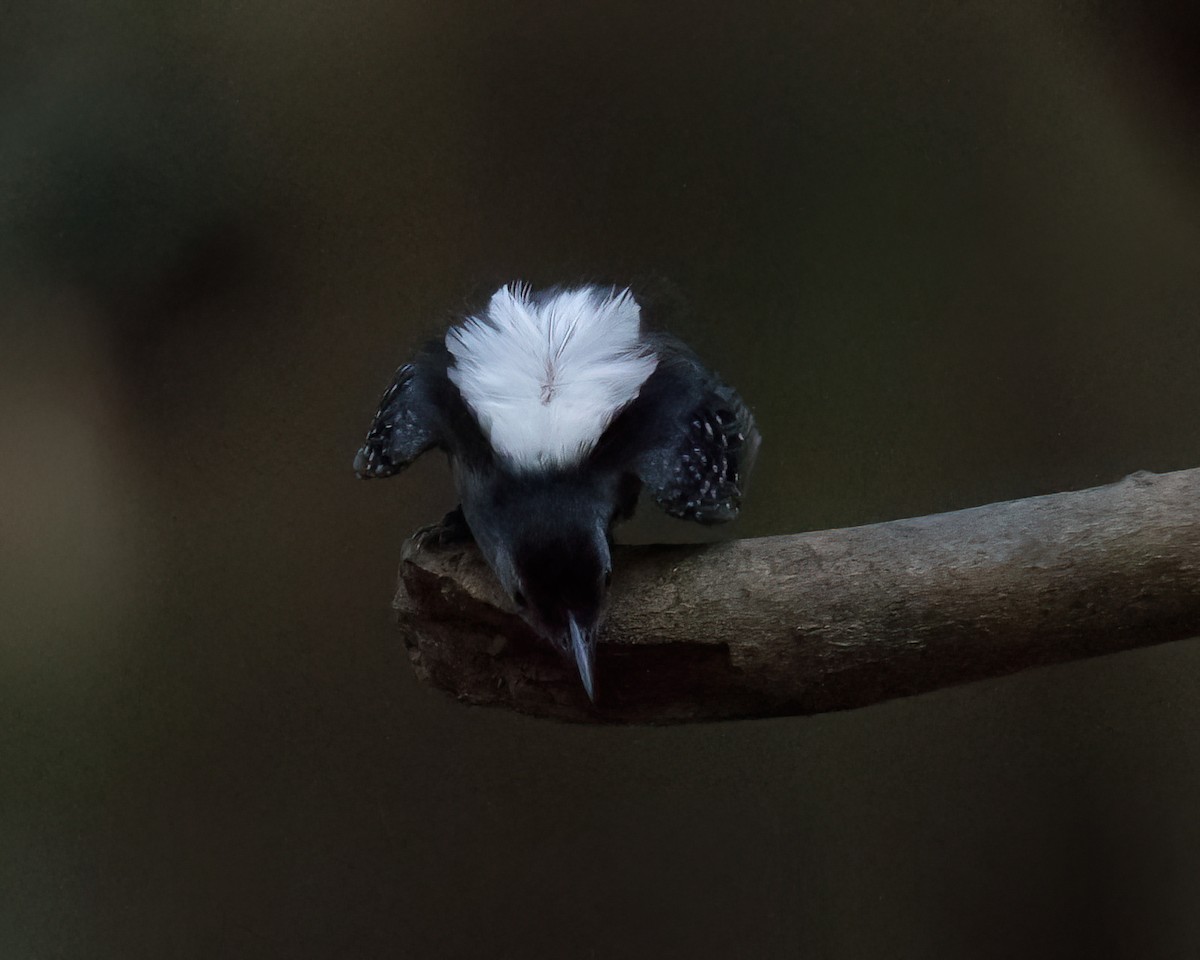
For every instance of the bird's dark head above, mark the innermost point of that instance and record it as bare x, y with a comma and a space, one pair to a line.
551, 555
559, 587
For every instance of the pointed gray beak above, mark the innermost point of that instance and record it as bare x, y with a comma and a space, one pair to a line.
581, 644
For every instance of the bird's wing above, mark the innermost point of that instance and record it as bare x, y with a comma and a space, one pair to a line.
701, 474
405, 425
688, 436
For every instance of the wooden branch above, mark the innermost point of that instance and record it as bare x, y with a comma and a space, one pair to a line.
827, 621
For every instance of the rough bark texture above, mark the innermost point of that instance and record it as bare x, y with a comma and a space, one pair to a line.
831, 620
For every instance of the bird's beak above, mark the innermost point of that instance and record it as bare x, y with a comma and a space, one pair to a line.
584, 648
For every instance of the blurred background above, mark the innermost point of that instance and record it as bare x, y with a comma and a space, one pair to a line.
948, 251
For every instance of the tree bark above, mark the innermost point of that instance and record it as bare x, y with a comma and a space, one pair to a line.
829, 620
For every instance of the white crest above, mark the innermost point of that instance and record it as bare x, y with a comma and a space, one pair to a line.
545, 377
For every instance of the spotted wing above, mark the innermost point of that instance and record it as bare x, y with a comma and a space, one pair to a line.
688, 437
701, 475
404, 427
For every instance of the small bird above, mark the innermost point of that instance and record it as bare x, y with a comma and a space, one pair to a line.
555, 408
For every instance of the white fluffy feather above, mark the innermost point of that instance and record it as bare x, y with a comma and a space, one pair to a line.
546, 379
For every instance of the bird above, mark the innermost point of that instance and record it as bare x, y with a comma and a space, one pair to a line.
556, 408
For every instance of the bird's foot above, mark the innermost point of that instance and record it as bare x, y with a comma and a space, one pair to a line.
451, 530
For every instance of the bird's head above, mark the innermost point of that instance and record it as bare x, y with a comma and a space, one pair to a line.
556, 566
559, 586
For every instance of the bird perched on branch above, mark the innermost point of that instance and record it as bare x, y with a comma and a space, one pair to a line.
555, 408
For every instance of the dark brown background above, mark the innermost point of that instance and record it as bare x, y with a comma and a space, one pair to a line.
949, 252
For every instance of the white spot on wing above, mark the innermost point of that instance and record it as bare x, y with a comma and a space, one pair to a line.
545, 379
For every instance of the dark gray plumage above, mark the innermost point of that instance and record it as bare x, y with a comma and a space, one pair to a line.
546, 530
